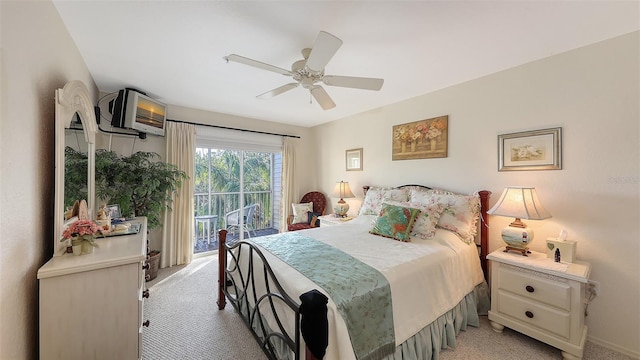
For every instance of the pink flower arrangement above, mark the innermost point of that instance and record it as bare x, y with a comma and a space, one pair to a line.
422, 130
81, 230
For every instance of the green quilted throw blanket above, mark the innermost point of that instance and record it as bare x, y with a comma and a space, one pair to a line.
361, 293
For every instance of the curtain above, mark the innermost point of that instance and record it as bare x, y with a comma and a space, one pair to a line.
178, 229
289, 187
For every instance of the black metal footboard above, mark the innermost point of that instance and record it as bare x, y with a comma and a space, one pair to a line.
247, 281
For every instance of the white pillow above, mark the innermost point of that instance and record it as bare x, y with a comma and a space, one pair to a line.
301, 212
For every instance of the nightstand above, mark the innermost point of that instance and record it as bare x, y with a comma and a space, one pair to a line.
331, 220
540, 298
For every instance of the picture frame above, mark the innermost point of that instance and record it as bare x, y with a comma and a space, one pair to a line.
530, 150
423, 139
353, 159
114, 211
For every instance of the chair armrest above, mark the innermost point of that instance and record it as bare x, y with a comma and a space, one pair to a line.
314, 222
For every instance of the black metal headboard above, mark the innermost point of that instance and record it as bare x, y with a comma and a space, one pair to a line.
366, 187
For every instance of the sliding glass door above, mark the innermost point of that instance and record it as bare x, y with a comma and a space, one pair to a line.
237, 190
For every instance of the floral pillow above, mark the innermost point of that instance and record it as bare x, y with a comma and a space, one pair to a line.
425, 225
395, 222
301, 212
372, 203
460, 213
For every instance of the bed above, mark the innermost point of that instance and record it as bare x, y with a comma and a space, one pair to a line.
398, 282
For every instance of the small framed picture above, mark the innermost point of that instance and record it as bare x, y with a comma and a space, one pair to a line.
114, 211
354, 159
530, 150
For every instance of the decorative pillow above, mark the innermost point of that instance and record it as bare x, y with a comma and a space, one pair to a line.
300, 212
395, 222
313, 219
375, 196
460, 214
425, 225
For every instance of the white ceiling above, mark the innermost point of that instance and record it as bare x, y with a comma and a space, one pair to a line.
173, 50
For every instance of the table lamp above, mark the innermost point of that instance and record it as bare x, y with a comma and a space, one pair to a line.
521, 203
342, 190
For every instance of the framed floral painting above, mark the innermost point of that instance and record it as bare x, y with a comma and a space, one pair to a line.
530, 150
424, 139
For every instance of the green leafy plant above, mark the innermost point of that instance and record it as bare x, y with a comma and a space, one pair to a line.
140, 184
75, 176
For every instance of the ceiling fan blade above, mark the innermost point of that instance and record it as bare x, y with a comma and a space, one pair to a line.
323, 50
278, 91
353, 82
322, 98
258, 64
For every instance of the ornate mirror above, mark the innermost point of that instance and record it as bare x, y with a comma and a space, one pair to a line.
73, 108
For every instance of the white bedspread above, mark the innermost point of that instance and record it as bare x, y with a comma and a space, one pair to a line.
427, 277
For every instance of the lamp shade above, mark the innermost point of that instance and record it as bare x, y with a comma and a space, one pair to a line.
342, 190
520, 202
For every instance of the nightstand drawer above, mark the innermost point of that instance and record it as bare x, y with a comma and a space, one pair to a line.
536, 288
538, 315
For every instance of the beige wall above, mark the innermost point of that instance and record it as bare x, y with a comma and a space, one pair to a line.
592, 93
38, 57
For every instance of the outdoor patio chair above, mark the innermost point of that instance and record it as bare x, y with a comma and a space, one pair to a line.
232, 220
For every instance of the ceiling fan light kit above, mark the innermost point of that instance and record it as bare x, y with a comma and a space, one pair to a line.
310, 71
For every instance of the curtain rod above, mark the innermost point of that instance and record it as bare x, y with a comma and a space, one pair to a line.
230, 128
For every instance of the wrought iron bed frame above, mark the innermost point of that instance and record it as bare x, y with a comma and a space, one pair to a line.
240, 288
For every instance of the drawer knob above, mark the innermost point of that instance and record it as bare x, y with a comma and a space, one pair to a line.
529, 314
147, 277
530, 288
146, 323
145, 266
145, 294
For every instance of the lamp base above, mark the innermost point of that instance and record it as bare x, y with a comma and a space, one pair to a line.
524, 251
341, 209
517, 239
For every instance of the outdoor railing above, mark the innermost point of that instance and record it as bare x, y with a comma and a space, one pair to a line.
221, 203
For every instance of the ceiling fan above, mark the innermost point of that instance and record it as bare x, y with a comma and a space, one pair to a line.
309, 71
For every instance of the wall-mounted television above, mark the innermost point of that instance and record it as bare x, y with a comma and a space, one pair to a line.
134, 110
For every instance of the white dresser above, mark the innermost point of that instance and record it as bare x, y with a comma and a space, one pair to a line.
540, 298
91, 305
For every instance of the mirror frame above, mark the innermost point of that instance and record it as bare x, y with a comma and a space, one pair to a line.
73, 98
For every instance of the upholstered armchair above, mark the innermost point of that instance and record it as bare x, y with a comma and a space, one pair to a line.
319, 203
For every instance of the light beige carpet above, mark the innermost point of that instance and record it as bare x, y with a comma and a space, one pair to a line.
185, 324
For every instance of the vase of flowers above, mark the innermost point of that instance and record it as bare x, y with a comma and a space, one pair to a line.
82, 234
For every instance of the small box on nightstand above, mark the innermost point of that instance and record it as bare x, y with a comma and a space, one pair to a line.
566, 248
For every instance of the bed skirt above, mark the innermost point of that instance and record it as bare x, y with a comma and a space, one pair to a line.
427, 343
441, 334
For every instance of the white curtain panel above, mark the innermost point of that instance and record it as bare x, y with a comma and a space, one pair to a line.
177, 235
289, 191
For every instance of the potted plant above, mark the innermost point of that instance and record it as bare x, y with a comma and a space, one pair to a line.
82, 234
139, 184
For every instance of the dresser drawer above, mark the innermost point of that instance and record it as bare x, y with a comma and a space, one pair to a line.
535, 314
536, 287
